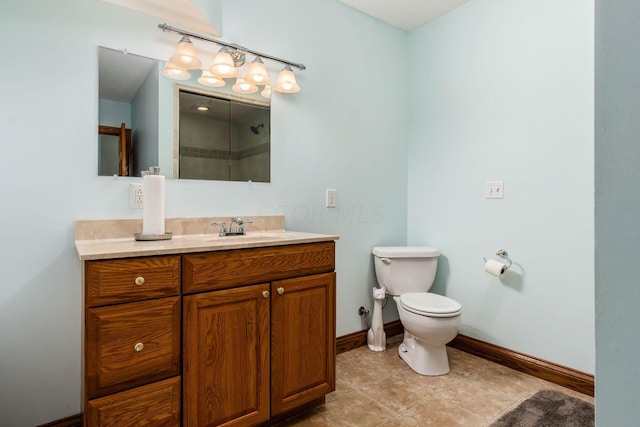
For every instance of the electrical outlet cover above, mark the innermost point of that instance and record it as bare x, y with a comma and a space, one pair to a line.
136, 196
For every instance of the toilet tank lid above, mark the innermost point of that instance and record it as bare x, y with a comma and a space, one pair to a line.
405, 252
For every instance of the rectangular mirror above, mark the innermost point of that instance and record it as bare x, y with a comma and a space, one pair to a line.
191, 131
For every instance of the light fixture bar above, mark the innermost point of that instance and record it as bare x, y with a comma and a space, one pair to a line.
235, 47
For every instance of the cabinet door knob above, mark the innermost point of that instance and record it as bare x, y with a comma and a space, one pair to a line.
280, 291
265, 294
138, 347
139, 280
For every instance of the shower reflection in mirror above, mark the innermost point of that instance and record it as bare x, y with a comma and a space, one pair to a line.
222, 139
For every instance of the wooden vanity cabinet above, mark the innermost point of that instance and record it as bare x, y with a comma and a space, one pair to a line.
253, 351
232, 337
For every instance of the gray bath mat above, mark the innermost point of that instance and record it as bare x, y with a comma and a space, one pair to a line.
549, 408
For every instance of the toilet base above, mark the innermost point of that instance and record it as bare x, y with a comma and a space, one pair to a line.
422, 357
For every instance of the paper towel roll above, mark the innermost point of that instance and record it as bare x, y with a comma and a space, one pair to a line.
496, 268
153, 205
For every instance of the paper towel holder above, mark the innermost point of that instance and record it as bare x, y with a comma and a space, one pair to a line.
502, 253
150, 237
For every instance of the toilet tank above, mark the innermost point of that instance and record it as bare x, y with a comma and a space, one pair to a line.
405, 269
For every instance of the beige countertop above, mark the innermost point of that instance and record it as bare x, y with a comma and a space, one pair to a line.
106, 239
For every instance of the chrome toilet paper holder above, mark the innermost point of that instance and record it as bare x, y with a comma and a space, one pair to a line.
502, 253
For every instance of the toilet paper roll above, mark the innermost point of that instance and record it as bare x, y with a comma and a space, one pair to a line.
496, 268
153, 205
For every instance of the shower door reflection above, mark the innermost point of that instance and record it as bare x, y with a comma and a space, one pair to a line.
223, 139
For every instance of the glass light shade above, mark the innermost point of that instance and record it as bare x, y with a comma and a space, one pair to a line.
185, 56
175, 73
209, 79
287, 81
223, 65
266, 92
243, 86
258, 73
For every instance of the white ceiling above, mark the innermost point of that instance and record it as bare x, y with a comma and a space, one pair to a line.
176, 12
405, 14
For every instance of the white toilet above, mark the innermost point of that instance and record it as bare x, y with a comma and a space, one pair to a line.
430, 321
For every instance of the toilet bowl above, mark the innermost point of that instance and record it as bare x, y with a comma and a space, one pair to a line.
430, 320
427, 330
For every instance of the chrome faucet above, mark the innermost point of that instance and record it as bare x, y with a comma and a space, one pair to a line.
239, 226
238, 230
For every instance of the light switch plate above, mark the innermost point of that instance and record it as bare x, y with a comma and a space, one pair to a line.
330, 200
495, 190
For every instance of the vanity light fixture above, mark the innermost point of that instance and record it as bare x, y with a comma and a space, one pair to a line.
226, 64
266, 92
176, 73
287, 81
223, 65
243, 86
208, 79
258, 73
185, 56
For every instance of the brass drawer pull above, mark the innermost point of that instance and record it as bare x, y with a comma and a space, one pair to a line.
138, 347
140, 280
265, 294
280, 291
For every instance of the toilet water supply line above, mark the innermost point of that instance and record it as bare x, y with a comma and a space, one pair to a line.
364, 312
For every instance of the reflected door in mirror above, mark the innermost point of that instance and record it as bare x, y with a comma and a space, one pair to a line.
114, 150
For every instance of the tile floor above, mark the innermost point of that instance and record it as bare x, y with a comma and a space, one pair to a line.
379, 389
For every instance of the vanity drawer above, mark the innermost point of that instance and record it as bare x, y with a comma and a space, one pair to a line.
153, 405
134, 279
225, 269
131, 344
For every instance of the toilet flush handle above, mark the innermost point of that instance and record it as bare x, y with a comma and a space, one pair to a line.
385, 260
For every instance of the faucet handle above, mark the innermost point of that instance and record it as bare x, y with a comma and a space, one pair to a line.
223, 227
241, 224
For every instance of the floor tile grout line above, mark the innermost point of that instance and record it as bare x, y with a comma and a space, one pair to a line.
372, 399
480, 418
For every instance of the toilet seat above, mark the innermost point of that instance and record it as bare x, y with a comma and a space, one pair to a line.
431, 305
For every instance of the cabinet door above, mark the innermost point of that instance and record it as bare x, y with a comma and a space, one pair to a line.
226, 357
302, 340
